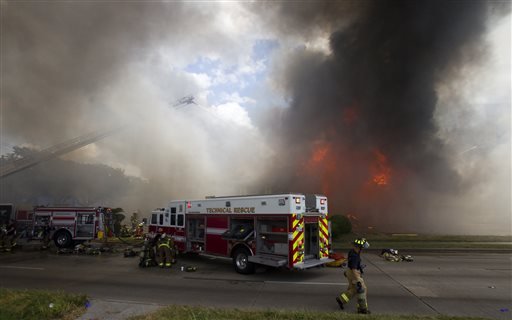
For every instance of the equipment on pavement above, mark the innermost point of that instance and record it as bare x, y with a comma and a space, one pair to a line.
129, 252
393, 256
339, 260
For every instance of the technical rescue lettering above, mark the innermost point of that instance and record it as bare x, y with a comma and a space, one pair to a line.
228, 210
244, 210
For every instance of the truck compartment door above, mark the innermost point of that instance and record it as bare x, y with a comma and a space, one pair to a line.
85, 225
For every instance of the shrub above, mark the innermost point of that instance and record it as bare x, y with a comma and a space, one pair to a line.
340, 225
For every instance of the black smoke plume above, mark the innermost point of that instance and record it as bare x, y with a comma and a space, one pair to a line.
361, 124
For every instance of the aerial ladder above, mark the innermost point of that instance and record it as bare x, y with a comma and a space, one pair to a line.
54, 151
64, 147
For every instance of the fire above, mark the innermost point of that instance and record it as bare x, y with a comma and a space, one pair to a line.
319, 154
381, 179
381, 169
321, 164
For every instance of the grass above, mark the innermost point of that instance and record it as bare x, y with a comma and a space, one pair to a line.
418, 241
203, 313
40, 305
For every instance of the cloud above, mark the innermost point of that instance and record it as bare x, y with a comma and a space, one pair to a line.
236, 98
232, 112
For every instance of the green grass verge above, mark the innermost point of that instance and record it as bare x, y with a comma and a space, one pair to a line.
203, 313
418, 241
40, 305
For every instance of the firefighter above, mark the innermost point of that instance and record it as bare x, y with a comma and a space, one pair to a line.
46, 236
3, 236
10, 236
356, 285
165, 245
148, 256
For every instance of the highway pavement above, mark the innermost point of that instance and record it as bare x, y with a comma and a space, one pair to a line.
462, 284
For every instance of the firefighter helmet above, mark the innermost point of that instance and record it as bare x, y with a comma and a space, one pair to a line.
361, 243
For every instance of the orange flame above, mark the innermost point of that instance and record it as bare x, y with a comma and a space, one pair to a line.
319, 154
381, 170
321, 164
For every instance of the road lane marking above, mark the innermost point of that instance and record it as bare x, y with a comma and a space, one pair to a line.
271, 281
24, 268
308, 283
404, 287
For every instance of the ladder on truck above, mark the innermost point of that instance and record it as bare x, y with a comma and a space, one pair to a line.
62, 148
54, 151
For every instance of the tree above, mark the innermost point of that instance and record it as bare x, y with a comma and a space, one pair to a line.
340, 225
118, 217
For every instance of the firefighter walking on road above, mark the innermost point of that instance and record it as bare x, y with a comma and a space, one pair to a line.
165, 245
356, 285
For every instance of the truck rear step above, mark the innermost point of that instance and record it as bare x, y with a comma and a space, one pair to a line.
312, 263
269, 260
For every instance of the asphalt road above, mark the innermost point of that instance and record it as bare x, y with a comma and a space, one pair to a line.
463, 284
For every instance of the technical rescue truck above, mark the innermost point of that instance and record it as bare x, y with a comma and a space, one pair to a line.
281, 230
71, 225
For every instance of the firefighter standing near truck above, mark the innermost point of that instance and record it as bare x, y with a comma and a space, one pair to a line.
356, 285
46, 235
9, 239
3, 236
165, 245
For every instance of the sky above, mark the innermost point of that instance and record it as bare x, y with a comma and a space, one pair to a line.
267, 80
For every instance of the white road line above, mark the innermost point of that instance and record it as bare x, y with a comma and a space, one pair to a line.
25, 268
307, 283
272, 282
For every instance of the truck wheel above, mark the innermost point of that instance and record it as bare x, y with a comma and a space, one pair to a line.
63, 239
241, 261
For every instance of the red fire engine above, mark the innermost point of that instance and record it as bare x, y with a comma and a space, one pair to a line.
281, 230
70, 225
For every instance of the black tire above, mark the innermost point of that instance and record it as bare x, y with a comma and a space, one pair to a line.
241, 261
63, 239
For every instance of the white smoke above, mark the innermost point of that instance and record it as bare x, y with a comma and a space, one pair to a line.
474, 114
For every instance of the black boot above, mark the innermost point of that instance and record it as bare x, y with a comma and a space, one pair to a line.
340, 303
363, 311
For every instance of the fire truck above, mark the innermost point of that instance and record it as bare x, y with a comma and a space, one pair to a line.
7, 213
71, 225
279, 230
23, 215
